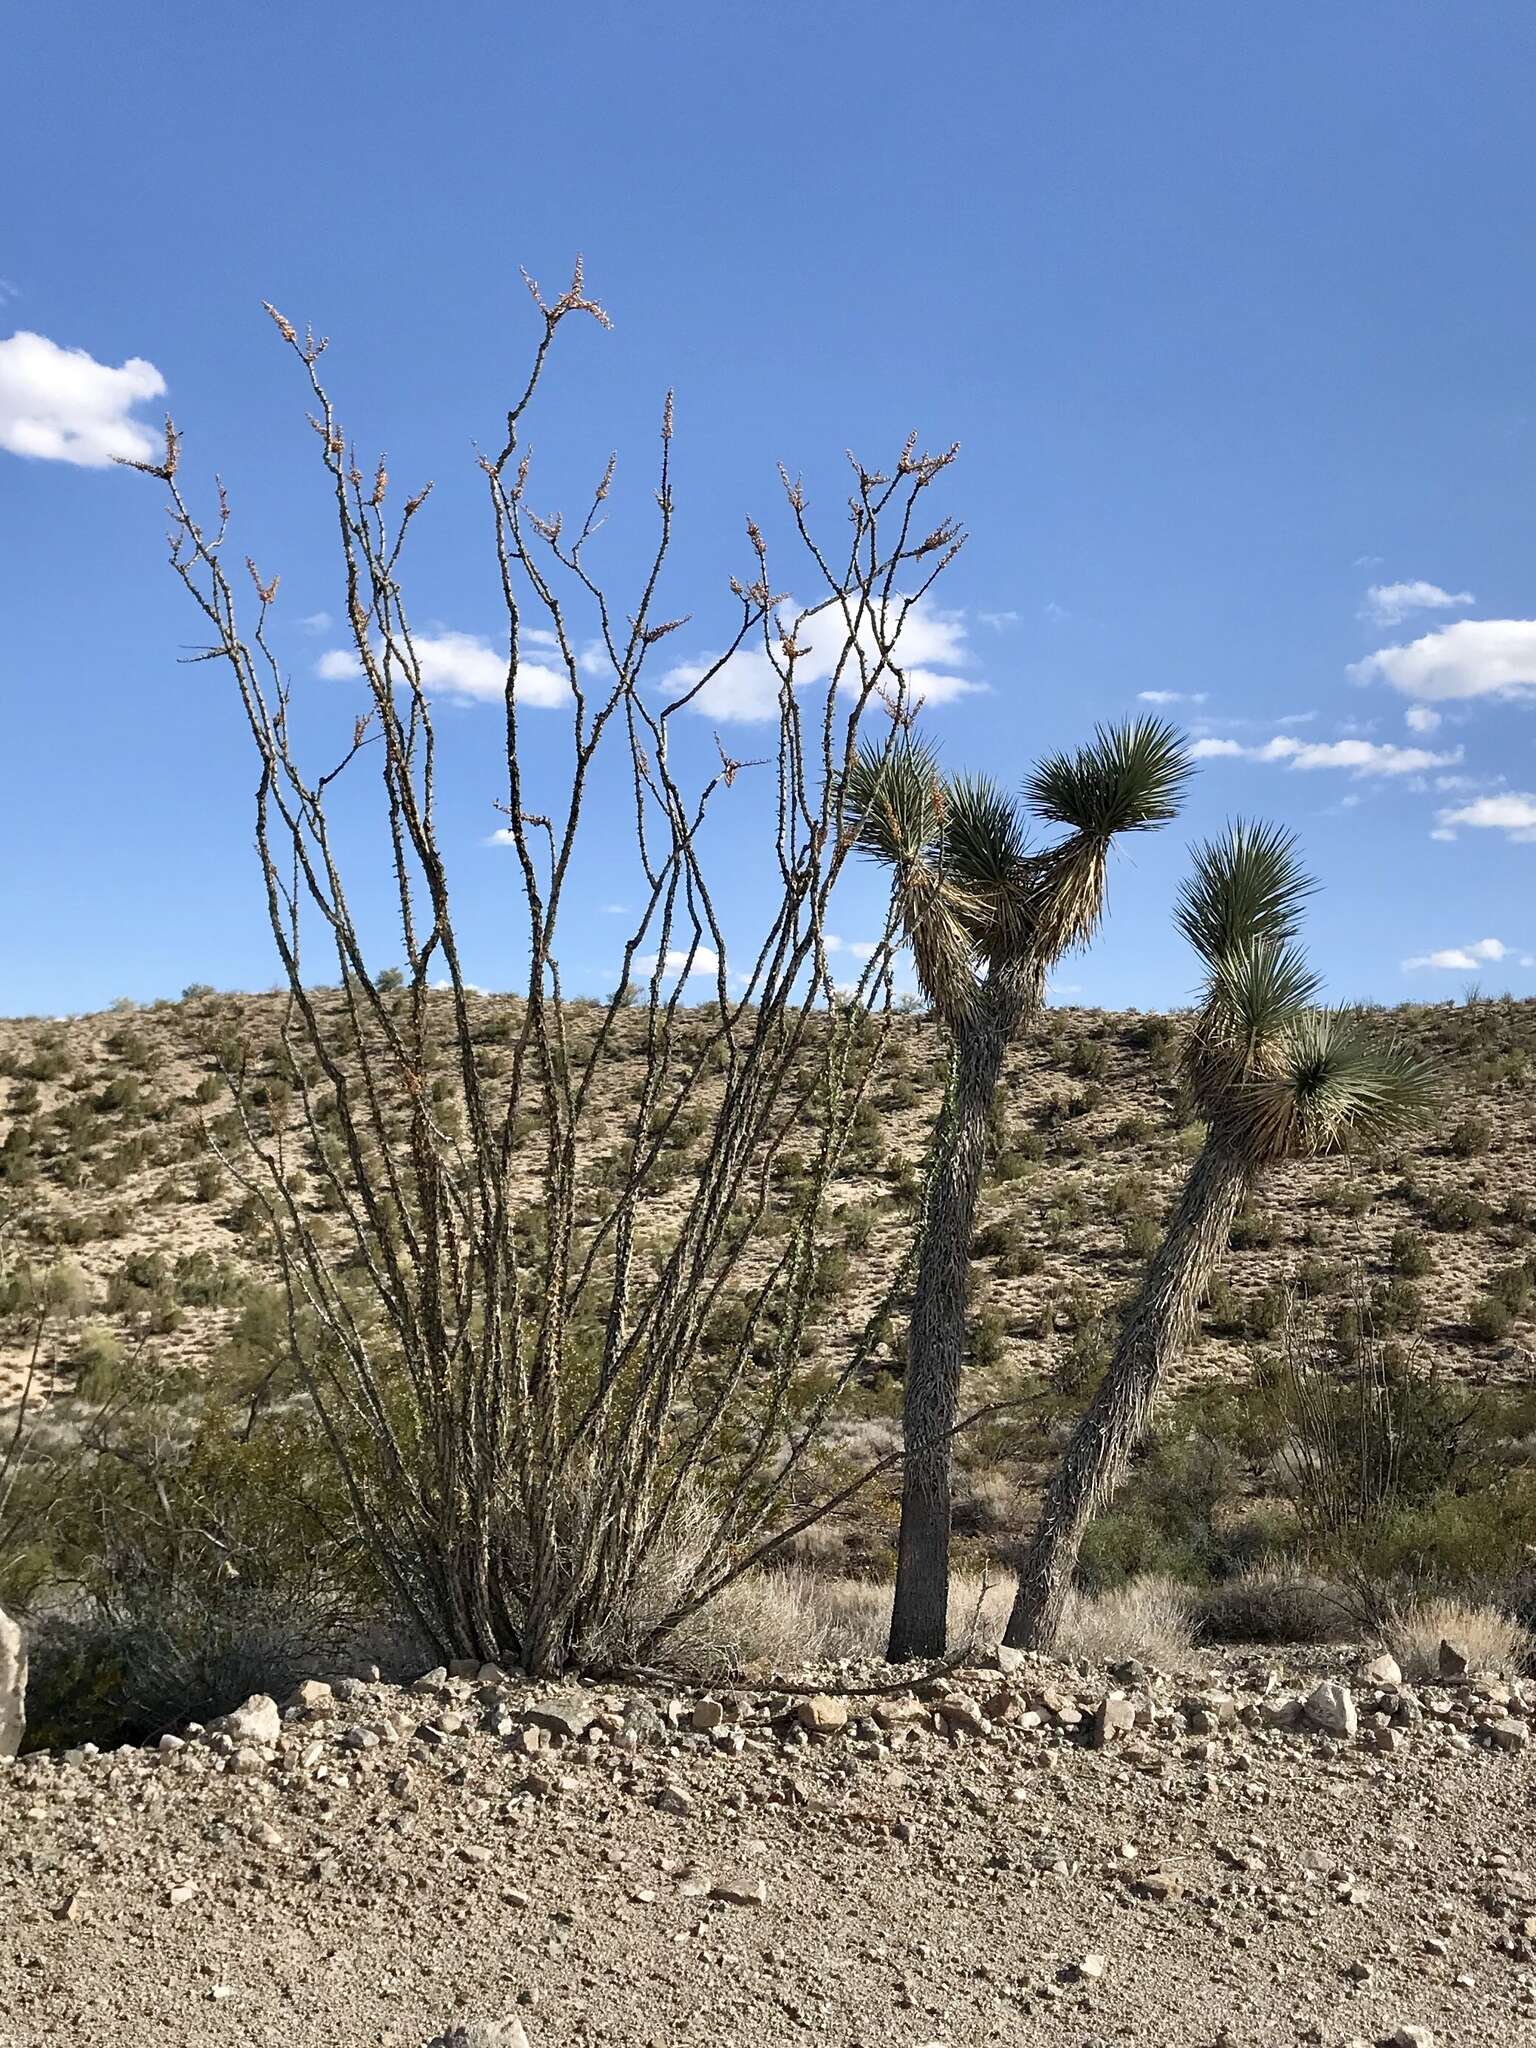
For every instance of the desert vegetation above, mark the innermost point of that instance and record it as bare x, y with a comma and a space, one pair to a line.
682, 1323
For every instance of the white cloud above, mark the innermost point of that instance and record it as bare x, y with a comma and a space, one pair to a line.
1420, 718
1387, 604
317, 622
1473, 658
1359, 757
1171, 697
61, 405
461, 665
705, 961
1459, 959
998, 620
930, 647
1511, 811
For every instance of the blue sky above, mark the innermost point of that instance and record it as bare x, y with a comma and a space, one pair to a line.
1231, 309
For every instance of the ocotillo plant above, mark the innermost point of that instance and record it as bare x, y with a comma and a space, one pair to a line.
517, 1374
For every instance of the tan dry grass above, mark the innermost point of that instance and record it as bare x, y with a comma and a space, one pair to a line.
1491, 1639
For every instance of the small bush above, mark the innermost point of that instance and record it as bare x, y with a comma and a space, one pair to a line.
1141, 1236
1253, 1230
1272, 1605
1491, 1640
1458, 1209
1490, 1320
1410, 1255
1471, 1137
1148, 1618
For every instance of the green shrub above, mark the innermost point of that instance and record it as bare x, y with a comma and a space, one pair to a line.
1318, 1278
1410, 1255
1253, 1230
1273, 1605
1490, 1320
1471, 1137
1141, 1236
1458, 1209
1267, 1312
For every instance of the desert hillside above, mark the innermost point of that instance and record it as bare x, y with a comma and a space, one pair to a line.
124, 1180
107, 1124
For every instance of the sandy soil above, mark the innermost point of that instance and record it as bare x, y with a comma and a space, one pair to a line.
916, 1887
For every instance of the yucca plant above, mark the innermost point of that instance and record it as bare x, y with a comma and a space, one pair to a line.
986, 916
1275, 1078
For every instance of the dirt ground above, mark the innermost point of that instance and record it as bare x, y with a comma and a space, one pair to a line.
893, 1887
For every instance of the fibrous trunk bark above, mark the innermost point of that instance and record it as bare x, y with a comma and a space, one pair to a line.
1155, 1333
936, 1334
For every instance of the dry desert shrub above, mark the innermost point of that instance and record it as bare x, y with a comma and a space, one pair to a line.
788, 1618
1272, 1605
1149, 1618
1489, 1638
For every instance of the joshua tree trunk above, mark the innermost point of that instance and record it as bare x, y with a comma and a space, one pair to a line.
1156, 1331
936, 1335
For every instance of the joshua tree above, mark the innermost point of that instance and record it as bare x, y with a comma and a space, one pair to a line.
1275, 1078
986, 918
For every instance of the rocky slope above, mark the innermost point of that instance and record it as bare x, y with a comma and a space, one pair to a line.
104, 1164
1235, 1856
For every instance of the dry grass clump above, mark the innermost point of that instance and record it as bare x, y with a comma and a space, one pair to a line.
1149, 1618
1491, 1639
1271, 1605
787, 1617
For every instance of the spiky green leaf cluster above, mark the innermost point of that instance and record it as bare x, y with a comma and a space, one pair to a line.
969, 888
1128, 778
1272, 1072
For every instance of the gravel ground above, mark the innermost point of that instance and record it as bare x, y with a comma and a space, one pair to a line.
396, 1859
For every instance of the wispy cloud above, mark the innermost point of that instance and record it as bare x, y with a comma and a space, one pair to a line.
1357, 757
461, 665
1510, 811
1472, 658
1421, 718
1172, 697
316, 622
931, 647
1459, 959
705, 961
1388, 604
998, 620
61, 405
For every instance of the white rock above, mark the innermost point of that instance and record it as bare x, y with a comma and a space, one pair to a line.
1331, 1707
13, 1685
256, 1721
